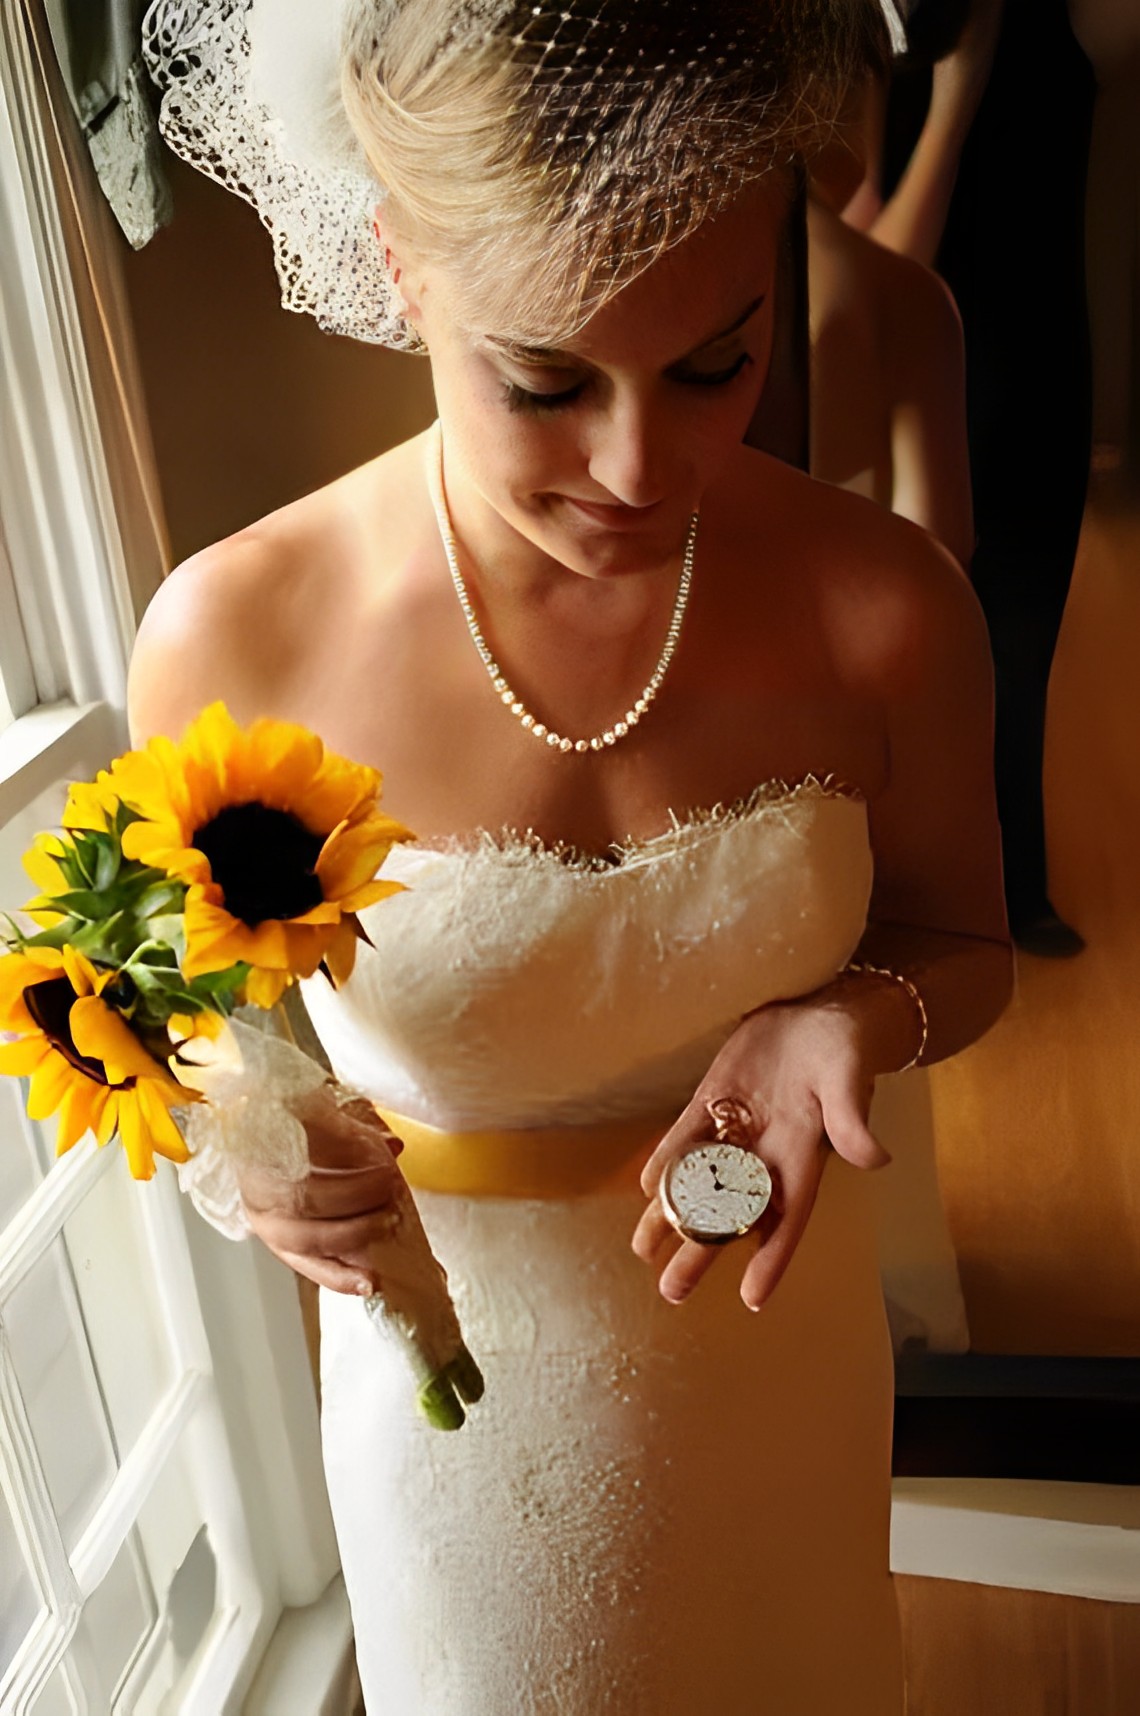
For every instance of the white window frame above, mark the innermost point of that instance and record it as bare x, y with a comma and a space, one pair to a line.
239, 1414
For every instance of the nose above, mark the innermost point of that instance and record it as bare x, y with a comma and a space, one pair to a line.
629, 455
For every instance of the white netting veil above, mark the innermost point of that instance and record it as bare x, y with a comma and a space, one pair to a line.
543, 152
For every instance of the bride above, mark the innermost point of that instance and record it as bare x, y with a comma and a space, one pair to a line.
697, 752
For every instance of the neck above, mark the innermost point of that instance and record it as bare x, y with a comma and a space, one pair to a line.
515, 576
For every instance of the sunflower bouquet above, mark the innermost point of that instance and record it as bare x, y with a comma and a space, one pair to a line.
147, 991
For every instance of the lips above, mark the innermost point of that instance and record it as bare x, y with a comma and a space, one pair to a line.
615, 516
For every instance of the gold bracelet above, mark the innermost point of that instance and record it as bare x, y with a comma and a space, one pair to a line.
920, 1004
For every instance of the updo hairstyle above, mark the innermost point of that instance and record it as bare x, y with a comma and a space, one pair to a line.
544, 154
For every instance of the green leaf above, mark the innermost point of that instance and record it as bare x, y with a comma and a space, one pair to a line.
159, 898
108, 859
223, 982
62, 934
168, 927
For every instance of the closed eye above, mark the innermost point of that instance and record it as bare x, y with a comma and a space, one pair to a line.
524, 399
714, 377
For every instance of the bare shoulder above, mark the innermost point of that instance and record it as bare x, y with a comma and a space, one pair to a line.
887, 601
896, 605
242, 619
905, 297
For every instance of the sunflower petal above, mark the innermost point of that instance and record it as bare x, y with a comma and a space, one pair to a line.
41, 861
49, 1084
265, 988
162, 1127
370, 893
340, 955
76, 1114
135, 1136
101, 1034
20, 1059
351, 857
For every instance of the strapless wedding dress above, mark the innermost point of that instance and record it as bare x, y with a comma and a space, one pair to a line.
657, 1510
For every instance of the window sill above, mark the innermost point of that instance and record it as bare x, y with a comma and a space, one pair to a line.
1079, 1540
51, 743
310, 1664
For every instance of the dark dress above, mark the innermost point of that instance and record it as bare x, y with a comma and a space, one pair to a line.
1013, 255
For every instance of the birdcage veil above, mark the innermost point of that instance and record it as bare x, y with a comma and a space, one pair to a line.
547, 150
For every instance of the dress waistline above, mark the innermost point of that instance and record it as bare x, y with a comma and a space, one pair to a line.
539, 1162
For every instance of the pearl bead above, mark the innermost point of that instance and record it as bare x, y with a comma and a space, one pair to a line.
498, 680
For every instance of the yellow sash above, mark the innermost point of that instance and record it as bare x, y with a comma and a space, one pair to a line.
546, 1162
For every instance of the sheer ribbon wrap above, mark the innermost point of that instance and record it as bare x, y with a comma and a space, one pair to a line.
253, 1081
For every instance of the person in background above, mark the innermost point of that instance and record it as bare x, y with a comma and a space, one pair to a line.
984, 169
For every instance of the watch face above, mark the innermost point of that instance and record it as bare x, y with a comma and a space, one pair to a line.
715, 1192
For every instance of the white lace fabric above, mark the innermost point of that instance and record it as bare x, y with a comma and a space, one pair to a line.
656, 1510
512, 985
317, 207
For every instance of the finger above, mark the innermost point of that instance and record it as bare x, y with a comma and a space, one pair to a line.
329, 1193
688, 1265
360, 1110
331, 1272
687, 1130
778, 1233
351, 1135
350, 1239
651, 1233
851, 1137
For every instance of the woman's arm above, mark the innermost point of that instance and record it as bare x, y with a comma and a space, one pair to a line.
914, 219
806, 1069
211, 633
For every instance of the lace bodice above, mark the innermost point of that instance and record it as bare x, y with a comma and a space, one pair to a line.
516, 985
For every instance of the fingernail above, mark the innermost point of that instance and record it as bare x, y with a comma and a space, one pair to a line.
364, 1288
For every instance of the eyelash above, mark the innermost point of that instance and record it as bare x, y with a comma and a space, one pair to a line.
522, 399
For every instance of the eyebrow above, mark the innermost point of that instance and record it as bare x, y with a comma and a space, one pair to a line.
555, 357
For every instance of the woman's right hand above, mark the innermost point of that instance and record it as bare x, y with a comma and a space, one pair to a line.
327, 1226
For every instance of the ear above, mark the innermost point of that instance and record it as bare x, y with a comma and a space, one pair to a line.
393, 252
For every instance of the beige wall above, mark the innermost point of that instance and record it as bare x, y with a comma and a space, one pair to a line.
249, 406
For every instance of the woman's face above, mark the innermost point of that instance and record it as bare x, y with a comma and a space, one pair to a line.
596, 454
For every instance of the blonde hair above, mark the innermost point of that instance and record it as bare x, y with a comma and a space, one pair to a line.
544, 155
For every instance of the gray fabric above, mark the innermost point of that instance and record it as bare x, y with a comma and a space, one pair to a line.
98, 45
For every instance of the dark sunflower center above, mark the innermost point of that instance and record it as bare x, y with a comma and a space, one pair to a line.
263, 860
50, 1005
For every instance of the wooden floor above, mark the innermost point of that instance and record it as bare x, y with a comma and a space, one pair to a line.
1038, 1126
1038, 1138
972, 1650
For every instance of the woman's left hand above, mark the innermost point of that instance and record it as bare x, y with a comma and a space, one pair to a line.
802, 1070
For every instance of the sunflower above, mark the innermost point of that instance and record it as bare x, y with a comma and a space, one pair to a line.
277, 839
84, 1061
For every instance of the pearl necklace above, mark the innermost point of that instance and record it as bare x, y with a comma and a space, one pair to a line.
640, 705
